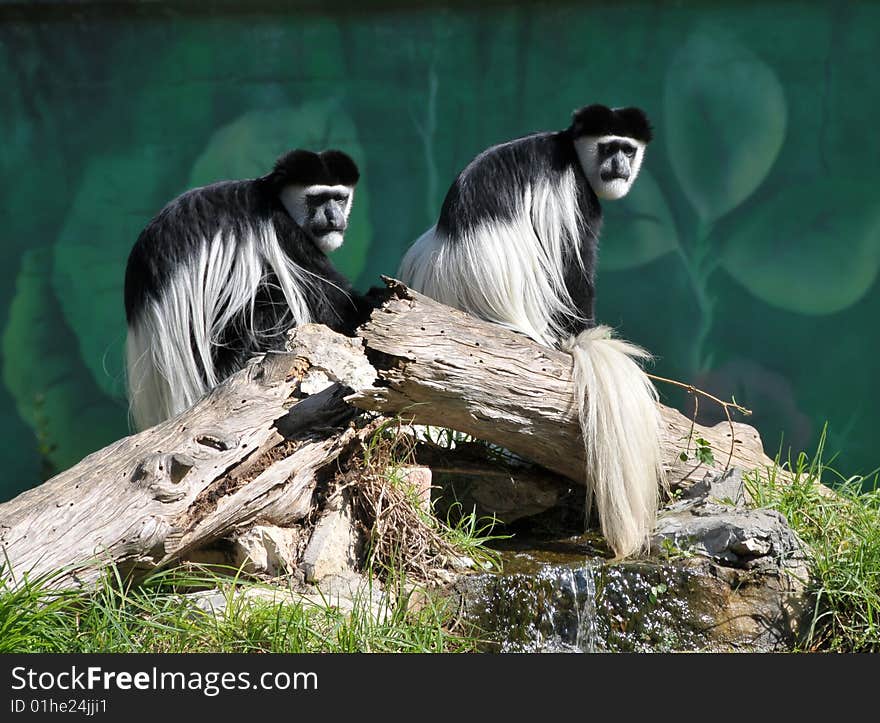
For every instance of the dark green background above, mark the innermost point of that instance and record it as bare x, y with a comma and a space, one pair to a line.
746, 257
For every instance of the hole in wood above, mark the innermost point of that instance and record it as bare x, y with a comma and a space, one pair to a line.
180, 465
210, 440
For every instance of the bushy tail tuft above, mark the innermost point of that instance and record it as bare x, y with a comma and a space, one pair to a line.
621, 428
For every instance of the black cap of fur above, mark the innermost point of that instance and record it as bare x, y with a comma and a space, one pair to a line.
305, 168
600, 120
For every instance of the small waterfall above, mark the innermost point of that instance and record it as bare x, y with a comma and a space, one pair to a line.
553, 610
587, 629
560, 596
574, 619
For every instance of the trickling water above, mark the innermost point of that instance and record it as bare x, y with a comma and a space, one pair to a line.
564, 598
563, 595
571, 620
587, 629
552, 609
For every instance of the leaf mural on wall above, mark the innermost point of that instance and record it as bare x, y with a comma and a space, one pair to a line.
725, 119
637, 229
87, 120
27, 160
248, 146
117, 196
811, 249
53, 390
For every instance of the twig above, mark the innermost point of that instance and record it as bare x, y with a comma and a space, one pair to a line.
726, 406
687, 449
693, 423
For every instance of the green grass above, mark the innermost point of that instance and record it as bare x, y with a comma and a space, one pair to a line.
155, 617
842, 535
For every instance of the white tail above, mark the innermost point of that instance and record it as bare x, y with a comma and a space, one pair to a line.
621, 428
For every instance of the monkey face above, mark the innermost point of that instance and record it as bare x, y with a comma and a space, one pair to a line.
320, 211
611, 163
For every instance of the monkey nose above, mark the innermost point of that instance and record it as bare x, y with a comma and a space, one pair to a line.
335, 221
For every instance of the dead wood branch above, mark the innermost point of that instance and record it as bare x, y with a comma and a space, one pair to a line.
257, 448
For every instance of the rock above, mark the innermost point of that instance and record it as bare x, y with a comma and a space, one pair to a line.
347, 590
419, 478
735, 537
689, 604
511, 499
343, 593
731, 534
726, 488
507, 497
266, 549
721, 577
335, 545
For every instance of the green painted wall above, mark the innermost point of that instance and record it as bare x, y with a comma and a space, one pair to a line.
746, 258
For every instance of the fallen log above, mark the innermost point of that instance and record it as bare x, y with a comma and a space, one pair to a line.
256, 449
440, 366
237, 457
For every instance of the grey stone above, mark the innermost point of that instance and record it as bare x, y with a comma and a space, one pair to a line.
342, 592
712, 520
734, 536
267, 549
347, 590
726, 488
335, 545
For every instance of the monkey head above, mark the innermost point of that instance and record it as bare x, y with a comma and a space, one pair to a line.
316, 190
610, 144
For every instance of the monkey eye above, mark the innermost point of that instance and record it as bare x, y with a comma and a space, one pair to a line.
319, 199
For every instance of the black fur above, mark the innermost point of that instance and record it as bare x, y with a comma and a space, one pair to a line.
600, 120
506, 169
304, 168
235, 209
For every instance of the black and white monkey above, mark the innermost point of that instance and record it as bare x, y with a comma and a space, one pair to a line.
224, 270
516, 244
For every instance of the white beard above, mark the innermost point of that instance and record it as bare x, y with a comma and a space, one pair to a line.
611, 190
329, 241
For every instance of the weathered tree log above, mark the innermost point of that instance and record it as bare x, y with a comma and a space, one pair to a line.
440, 366
237, 457
257, 447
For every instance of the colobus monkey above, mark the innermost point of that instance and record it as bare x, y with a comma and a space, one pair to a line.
223, 271
516, 244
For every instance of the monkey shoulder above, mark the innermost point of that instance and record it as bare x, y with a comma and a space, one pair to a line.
490, 188
185, 224
198, 215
